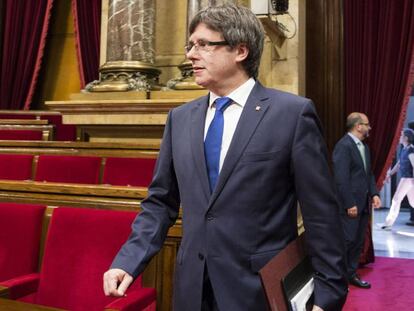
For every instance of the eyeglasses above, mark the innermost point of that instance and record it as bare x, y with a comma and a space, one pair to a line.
366, 124
203, 45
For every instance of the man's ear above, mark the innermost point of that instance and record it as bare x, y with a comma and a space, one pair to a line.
242, 52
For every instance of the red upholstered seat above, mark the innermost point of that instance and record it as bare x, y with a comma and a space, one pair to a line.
20, 231
129, 171
63, 132
81, 244
16, 166
69, 169
21, 134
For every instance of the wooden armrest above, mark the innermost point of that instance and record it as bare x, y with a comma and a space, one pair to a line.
20, 286
4, 292
23, 122
72, 188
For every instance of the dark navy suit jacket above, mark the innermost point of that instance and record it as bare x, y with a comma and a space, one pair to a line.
277, 156
355, 184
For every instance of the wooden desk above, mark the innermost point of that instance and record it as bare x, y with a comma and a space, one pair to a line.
13, 305
23, 122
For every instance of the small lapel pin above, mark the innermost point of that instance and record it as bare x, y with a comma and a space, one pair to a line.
258, 108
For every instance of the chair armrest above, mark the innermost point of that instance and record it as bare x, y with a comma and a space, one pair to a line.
21, 286
138, 299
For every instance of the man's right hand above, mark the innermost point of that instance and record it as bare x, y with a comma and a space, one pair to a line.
116, 282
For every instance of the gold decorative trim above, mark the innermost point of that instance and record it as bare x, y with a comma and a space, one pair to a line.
122, 76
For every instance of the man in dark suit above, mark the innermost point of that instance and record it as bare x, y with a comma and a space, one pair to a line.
239, 208
357, 190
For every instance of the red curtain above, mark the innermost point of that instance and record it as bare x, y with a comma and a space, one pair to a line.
87, 16
25, 26
379, 73
378, 48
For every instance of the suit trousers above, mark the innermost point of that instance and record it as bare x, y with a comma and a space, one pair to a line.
354, 231
208, 302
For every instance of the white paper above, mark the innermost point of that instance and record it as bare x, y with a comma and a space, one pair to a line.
298, 302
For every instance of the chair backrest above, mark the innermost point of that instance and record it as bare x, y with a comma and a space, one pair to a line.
21, 134
68, 169
80, 246
63, 132
129, 171
16, 166
17, 116
20, 232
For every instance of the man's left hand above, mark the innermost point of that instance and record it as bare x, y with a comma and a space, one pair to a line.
376, 202
316, 308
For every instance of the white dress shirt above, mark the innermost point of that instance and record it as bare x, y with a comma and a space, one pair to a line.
231, 115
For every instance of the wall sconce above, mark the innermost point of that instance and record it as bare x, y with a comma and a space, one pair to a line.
268, 11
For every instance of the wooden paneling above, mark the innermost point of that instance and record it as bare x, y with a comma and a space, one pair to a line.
324, 64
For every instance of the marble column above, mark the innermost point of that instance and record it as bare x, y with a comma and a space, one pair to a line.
129, 50
186, 81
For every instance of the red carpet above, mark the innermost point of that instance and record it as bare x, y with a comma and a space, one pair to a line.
392, 281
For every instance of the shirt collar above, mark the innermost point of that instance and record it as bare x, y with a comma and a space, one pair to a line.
239, 95
355, 139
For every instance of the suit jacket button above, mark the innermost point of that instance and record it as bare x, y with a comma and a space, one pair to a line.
200, 256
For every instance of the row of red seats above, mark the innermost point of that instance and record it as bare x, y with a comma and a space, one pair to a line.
79, 248
78, 169
63, 132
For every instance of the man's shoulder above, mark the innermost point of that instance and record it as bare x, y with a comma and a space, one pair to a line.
287, 97
344, 141
286, 101
191, 104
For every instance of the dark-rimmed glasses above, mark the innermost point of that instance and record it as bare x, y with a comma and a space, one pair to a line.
203, 45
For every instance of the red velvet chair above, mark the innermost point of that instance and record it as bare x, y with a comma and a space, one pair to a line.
20, 232
129, 171
21, 135
16, 166
68, 169
80, 246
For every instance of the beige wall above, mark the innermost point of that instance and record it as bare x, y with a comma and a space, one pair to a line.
60, 74
274, 72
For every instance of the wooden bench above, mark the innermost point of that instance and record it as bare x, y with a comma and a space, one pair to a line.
61, 132
72, 194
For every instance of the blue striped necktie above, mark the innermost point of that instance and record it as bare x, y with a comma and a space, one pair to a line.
212, 143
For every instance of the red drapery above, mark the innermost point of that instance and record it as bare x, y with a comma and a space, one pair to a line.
87, 17
25, 26
379, 72
379, 42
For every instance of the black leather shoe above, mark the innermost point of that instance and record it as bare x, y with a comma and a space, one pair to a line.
356, 281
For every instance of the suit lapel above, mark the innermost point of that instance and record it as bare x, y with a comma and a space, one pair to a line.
253, 112
198, 115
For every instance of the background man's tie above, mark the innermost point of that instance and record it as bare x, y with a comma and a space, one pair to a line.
361, 149
212, 143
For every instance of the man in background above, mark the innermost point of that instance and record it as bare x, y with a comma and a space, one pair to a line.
357, 189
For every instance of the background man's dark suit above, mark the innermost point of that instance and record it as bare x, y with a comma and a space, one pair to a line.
277, 156
356, 187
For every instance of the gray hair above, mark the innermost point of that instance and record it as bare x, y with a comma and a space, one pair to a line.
238, 25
